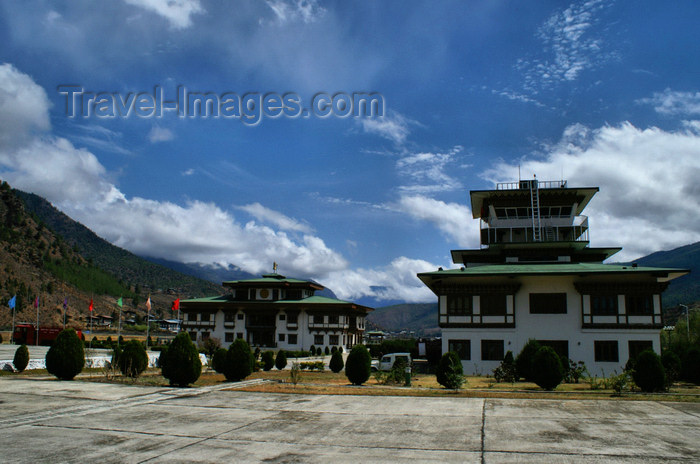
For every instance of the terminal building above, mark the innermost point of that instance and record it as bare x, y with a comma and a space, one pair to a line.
536, 277
275, 312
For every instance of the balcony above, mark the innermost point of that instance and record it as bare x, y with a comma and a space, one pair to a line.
521, 230
525, 184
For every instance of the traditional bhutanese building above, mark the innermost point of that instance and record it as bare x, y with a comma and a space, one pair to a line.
275, 311
536, 277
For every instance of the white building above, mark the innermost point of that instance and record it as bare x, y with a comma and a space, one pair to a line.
275, 311
535, 277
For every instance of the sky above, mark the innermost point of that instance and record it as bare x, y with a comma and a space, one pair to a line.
283, 166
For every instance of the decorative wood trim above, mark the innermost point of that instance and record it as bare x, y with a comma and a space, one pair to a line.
619, 288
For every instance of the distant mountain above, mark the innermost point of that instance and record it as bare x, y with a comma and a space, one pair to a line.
123, 264
685, 289
210, 272
421, 318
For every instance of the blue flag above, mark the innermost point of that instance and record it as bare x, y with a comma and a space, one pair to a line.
65, 303
12, 302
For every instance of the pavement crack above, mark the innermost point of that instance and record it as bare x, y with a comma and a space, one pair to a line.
483, 431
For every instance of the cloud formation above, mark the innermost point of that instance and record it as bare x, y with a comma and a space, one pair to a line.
177, 12
159, 134
674, 103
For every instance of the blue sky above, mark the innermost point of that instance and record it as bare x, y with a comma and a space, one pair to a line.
603, 93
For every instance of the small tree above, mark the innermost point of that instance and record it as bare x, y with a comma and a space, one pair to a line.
66, 357
523, 363
312, 350
239, 361
182, 364
449, 371
690, 367
327, 351
268, 359
210, 345
506, 371
219, 360
21, 358
358, 366
281, 360
337, 363
672, 366
133, 359
648, 372
547, 369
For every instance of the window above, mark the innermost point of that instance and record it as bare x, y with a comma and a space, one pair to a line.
191, 316
318, 339
462, 347
604, 305
639, 305
193, 336
459, 305
292, 339
206, 317
333, 319
229, 317
283, 317
606, 351
637, 346
239, 334
560, 347
240, 316
292, 318
333, 340
492, 350
228, 337
547, 303
205, 335
280, 337
493, 304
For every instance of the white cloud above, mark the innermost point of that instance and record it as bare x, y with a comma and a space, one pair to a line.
649, 196
24, 106
261, 213
569, 46
396, 281
76, 182
159, 134
453, 219
177, 12
674, 103
427, 171
391, 126
188, 172
306, 11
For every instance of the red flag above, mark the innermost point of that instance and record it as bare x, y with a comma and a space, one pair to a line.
148, 303
176, 305
91, 305
36, 302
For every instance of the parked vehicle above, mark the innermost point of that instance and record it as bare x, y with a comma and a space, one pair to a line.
388, 360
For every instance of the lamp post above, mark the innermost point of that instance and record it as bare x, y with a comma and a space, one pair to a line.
687, 320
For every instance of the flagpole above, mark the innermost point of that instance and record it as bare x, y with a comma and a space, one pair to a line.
119, 335
148, 318
37, 321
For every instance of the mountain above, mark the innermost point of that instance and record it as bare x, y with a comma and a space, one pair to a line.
685, 289
123, 264
421, 318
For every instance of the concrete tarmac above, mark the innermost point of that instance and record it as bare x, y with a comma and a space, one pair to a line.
79, 421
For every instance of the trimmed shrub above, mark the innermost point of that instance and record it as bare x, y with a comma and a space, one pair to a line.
690, 367
268, 360
281, 360
672, 366
648, 372
218, 362
21, 358
449, 371
340, 348
312, 350
506, 372
334, 349
327, 351
161, 359
523, 363
547, 369
336, 363
239, 361
133, 360
182, 364
358, 365
66, 357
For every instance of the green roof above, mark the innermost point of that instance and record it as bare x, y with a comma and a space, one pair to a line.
553, 268
314, 300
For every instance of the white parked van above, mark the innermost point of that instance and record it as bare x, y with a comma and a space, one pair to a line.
388, 360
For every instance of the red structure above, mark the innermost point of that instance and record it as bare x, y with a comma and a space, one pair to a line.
26, 333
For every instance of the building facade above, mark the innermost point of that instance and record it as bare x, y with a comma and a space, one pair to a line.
275, 312
536, 277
